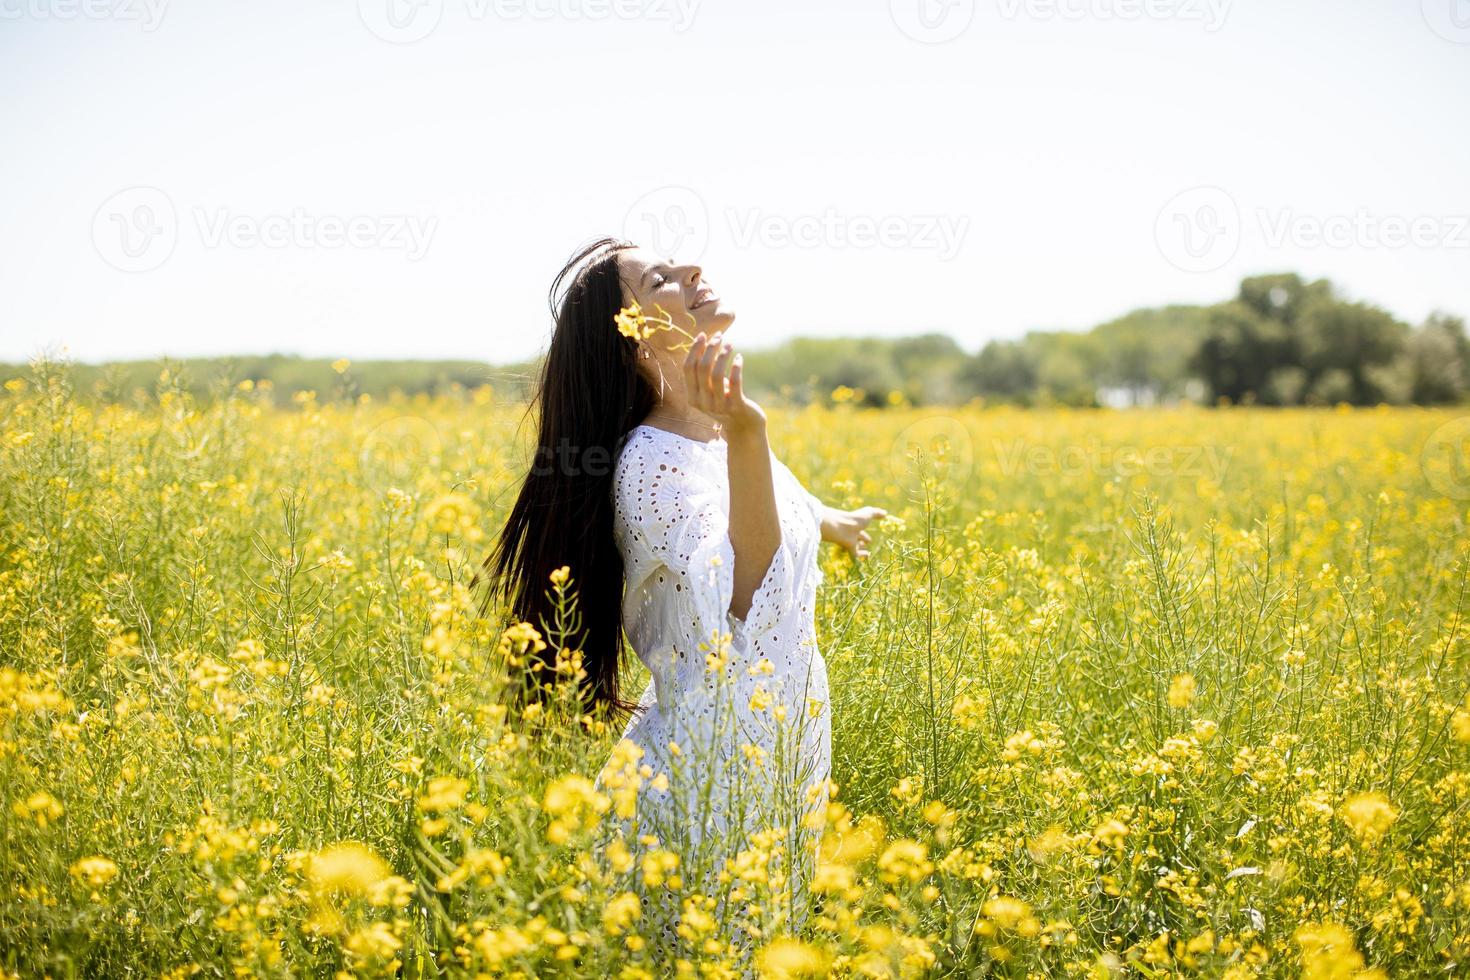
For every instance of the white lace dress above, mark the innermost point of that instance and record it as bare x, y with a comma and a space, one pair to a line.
752, 741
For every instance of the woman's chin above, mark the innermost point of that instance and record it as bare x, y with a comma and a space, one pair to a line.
716, 321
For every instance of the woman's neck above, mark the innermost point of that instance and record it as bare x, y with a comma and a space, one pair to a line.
678, 416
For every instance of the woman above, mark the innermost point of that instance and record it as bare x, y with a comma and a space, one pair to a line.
655, 483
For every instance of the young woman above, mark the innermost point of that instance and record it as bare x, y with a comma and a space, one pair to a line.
655, 483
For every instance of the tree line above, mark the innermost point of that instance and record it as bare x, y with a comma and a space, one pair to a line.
1281, 340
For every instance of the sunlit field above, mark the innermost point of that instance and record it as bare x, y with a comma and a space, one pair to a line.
1155, 693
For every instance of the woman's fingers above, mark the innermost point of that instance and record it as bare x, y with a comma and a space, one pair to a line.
712, 388
691, 367
717, 377
709, 388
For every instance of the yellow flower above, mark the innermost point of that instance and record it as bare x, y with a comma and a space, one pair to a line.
348, 868
621, 913
904, 859
632, 323
635, 324
1049, 842
444, 793
1007, 914
909, 790
373, 942
1022, 744
1329, 953
41, 807
453, 513
785, 957
1369, 815
338, 562
1181, 691
1460, 723
518, 639
658, 866
572, 802
1110, 834
94, 871
968, 712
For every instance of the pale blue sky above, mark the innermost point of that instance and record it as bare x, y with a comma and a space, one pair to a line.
314, 180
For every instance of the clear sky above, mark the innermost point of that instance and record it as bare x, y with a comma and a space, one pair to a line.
402, 178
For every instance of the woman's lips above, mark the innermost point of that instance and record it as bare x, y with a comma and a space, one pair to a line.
702, 298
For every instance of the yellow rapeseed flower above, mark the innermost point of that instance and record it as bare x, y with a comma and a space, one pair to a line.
348, 868
904, 859
40, 806
1329, 953
1369, 815
620, 913
94, 871
375, 941
1182, 691
1110, 833
1007, 914
444, 793
785, 957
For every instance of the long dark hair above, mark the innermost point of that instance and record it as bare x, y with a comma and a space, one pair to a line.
589, 396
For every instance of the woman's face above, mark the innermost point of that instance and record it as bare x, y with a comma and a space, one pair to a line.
679, 289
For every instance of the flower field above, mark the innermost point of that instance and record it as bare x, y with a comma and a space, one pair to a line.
1156, 693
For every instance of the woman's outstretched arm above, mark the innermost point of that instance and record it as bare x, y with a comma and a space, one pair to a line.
755, 527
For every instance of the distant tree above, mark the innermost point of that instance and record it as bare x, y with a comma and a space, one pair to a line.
1285, 341
1066, 367
809, 368
1438, 359
1004, 370
1240, 351
1281, 296
1146, 353
1340, 345
928, 367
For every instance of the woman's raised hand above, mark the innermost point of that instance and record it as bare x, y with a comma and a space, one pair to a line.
716, 393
